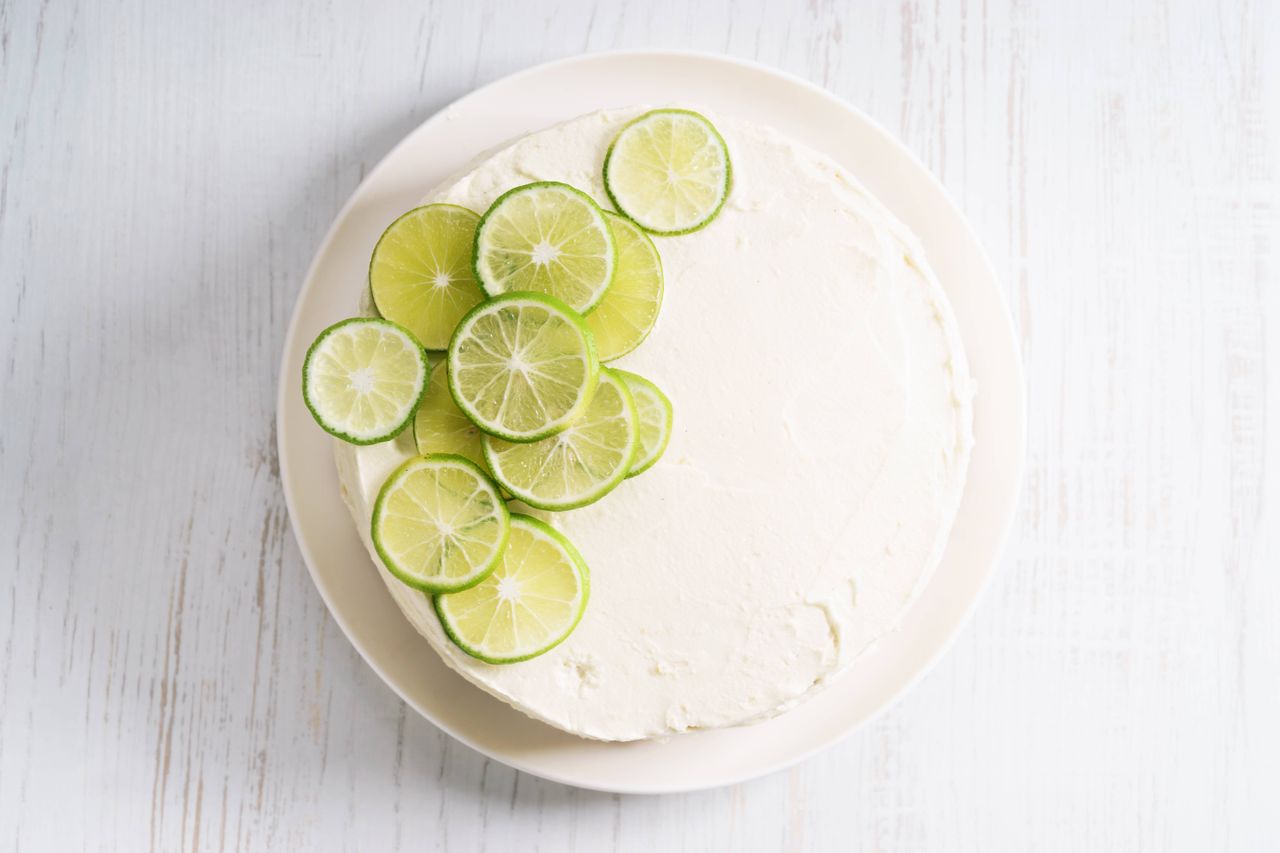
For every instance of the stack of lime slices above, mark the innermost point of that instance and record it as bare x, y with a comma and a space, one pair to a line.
529, 300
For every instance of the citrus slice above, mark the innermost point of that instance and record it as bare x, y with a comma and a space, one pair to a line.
528, 606
654, 413
630, 307
439, 524
362, 379
547, 238
420, 275
579, 465
669, 171
522, 366
441, 427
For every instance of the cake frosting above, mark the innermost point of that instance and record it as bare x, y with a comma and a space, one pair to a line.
821, 439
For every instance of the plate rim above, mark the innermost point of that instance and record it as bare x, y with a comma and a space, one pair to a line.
1008, 513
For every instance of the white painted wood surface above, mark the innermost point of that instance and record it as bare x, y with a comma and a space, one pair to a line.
169, 679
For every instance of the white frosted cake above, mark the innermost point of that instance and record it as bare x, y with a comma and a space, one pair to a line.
821, 437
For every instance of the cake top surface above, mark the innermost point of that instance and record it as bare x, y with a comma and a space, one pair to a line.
821, 437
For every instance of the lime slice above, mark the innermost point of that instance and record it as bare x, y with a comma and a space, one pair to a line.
630, 307
362, 379
439, 524
528, 606
669, 171
579, 465
421, 275
522, 366
441, 427
653, 410
547, 238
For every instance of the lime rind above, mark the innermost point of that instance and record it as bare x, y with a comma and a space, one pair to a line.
623, 182
581, 290
561, 393
421, 273
656, 418
580, 465
313, 366
484, 495
571, 573
629, 310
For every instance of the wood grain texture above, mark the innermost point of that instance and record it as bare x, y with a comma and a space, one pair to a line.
169, 678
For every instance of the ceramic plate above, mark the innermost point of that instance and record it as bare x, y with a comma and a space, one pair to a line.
552, 93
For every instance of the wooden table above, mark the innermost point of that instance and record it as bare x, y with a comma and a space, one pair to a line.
169, 678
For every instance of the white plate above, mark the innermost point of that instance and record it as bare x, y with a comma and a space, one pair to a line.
552, 93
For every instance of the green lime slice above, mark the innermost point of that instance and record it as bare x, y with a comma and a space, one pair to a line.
439, 524
522, 366
420, 275
441, 427
630, 307
654, 412
362, 379
546, 238
669, 171
579, 465
528, 606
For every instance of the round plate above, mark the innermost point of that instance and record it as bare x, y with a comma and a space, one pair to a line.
552, 93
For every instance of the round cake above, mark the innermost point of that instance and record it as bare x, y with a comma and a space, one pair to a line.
821, 437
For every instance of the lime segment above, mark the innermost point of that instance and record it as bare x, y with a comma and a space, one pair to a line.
654, 412
547, 238
421, 275
362, 379
579, 465
529, 605
669, 171
439, 524
630, 308
441, 427
522, 366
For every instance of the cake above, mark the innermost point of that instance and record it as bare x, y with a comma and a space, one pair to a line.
822, 432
